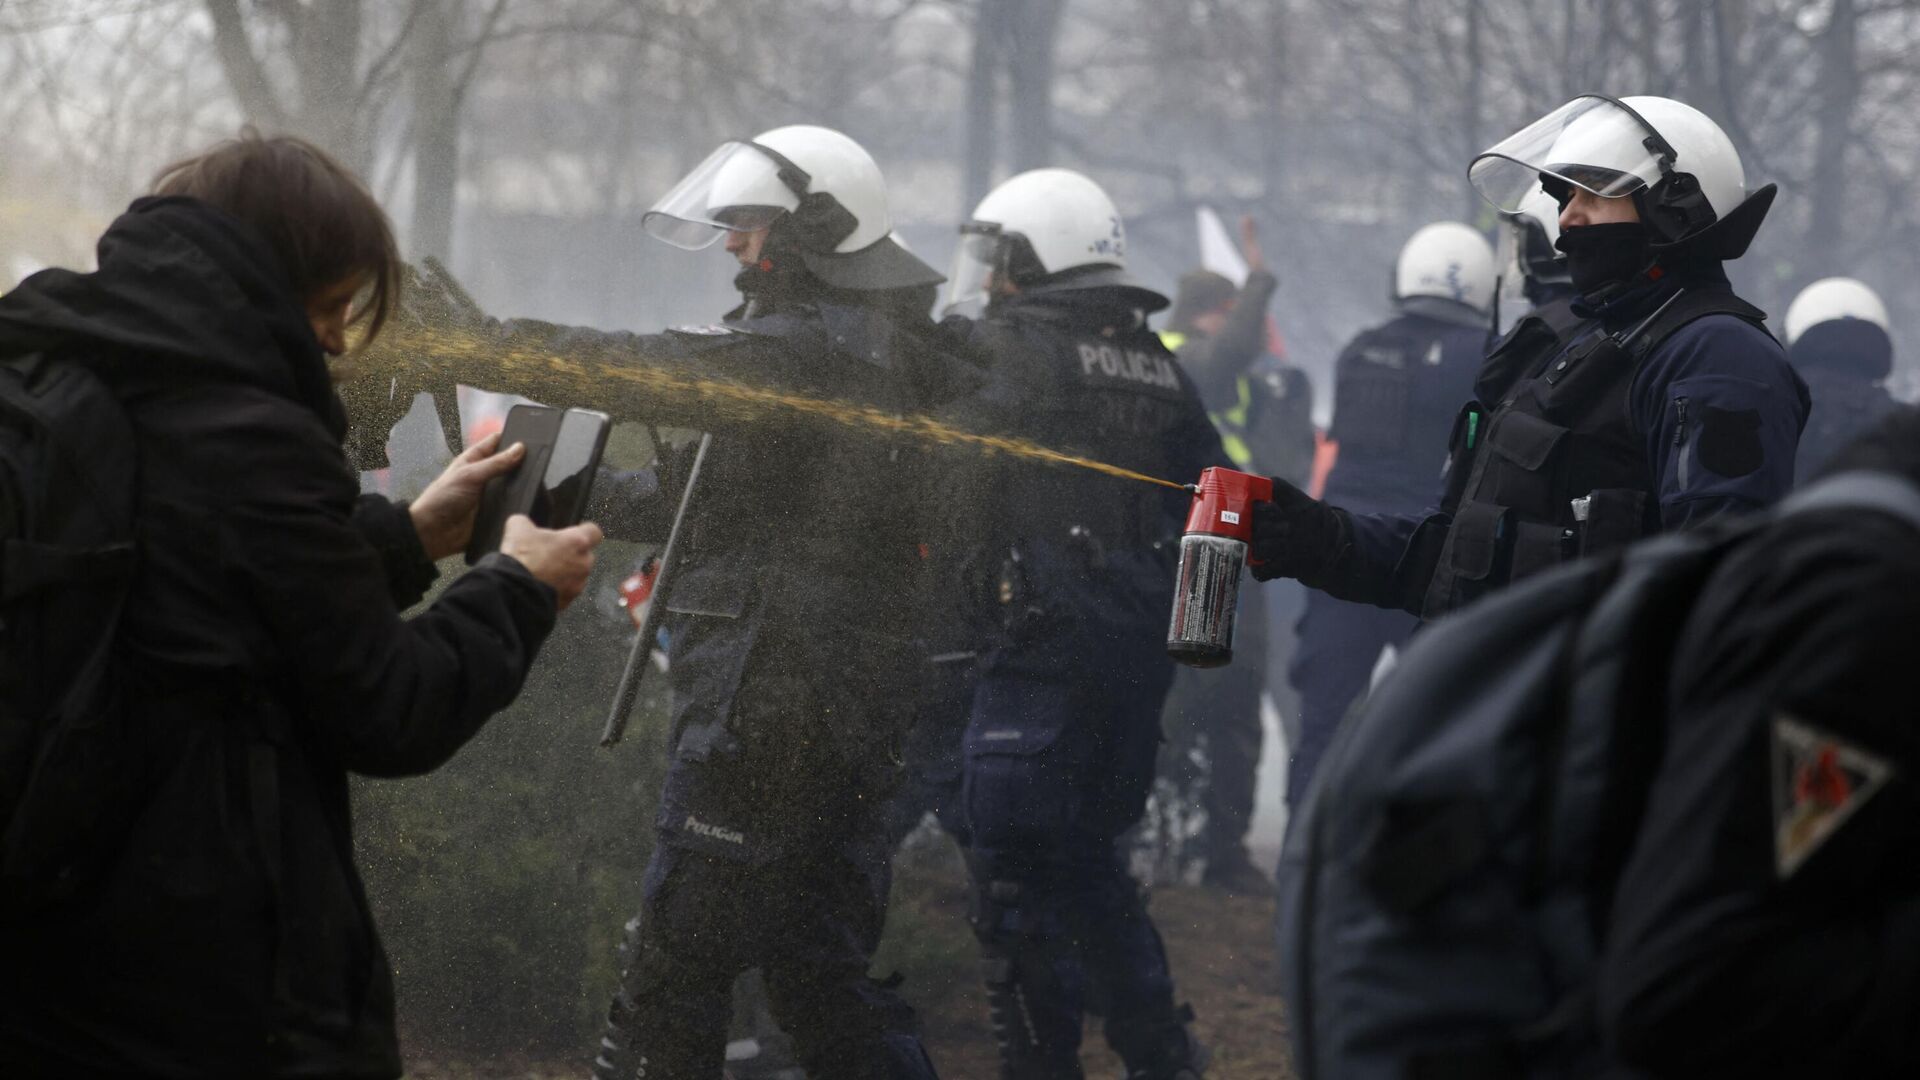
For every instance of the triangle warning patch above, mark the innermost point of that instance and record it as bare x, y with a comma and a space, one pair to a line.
1819, 781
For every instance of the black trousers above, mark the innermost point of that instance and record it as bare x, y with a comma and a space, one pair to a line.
810, 925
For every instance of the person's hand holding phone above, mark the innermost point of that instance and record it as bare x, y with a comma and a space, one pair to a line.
560, 557
443, 515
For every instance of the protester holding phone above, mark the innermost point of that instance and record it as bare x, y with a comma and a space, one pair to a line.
561, 451
261, 655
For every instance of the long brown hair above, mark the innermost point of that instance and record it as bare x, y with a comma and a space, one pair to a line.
319, 219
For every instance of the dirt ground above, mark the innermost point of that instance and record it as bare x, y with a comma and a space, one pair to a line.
1222, 953
1221, 948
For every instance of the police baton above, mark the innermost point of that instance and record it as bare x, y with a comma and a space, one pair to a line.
629, 690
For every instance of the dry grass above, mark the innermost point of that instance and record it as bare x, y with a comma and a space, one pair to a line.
1221, 948
1222, 953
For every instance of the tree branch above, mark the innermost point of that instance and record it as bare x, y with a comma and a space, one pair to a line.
245, 76
378, 70
478, 49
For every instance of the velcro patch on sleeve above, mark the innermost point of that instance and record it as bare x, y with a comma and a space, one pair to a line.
1730, 442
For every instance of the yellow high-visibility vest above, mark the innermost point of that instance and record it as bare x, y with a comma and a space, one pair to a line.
1231, 424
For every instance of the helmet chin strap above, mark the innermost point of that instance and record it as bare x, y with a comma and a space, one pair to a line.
780, 274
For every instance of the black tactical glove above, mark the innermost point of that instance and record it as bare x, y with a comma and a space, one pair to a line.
1297, 536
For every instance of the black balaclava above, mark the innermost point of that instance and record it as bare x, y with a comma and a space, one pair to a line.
1605, 255
781, 274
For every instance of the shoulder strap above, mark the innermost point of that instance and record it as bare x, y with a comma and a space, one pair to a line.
1685, 307
1863, 489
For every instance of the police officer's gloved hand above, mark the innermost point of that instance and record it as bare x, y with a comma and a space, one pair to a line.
1296, 536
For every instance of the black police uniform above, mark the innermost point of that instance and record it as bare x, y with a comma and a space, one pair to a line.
1768, 919
1668, 404
791, 617
1060, 752
1397, 388
1846, 363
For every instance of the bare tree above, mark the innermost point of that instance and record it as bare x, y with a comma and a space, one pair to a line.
338, 83
443, 69
1013, 45
1836, 96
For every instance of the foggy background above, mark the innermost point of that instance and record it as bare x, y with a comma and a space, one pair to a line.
521, 140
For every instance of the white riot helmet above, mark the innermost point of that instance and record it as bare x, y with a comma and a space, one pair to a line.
1447, 260
819, 187
1831, 299
1839, 324
1045, 230
1679, 168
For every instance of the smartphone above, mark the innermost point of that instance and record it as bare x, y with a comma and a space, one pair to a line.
552, 483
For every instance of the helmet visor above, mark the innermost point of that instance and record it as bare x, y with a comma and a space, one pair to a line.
1526, 253
975, 262
1593, 143
736, 189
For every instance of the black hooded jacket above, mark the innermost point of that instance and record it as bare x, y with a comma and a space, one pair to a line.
266, 660
1767, 922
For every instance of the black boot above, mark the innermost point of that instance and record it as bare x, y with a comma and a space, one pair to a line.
1231, 871
1163, 1051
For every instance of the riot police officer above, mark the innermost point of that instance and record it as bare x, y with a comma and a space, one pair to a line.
1667, 405
1397, 387
1059, 753
800, 558
1838, 339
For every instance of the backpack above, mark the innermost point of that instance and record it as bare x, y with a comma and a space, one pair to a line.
67, 494
1445, 885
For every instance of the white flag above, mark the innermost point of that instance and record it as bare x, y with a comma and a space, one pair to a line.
1218, 252
483, 412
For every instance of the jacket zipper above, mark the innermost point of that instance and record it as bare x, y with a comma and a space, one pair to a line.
1680, 440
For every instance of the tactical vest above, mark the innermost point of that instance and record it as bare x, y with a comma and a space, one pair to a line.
1115, 397
826, 496
1555, 469
1396, 387
1374, 390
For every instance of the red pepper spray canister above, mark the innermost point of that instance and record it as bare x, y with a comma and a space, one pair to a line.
1212, 552
637, 590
